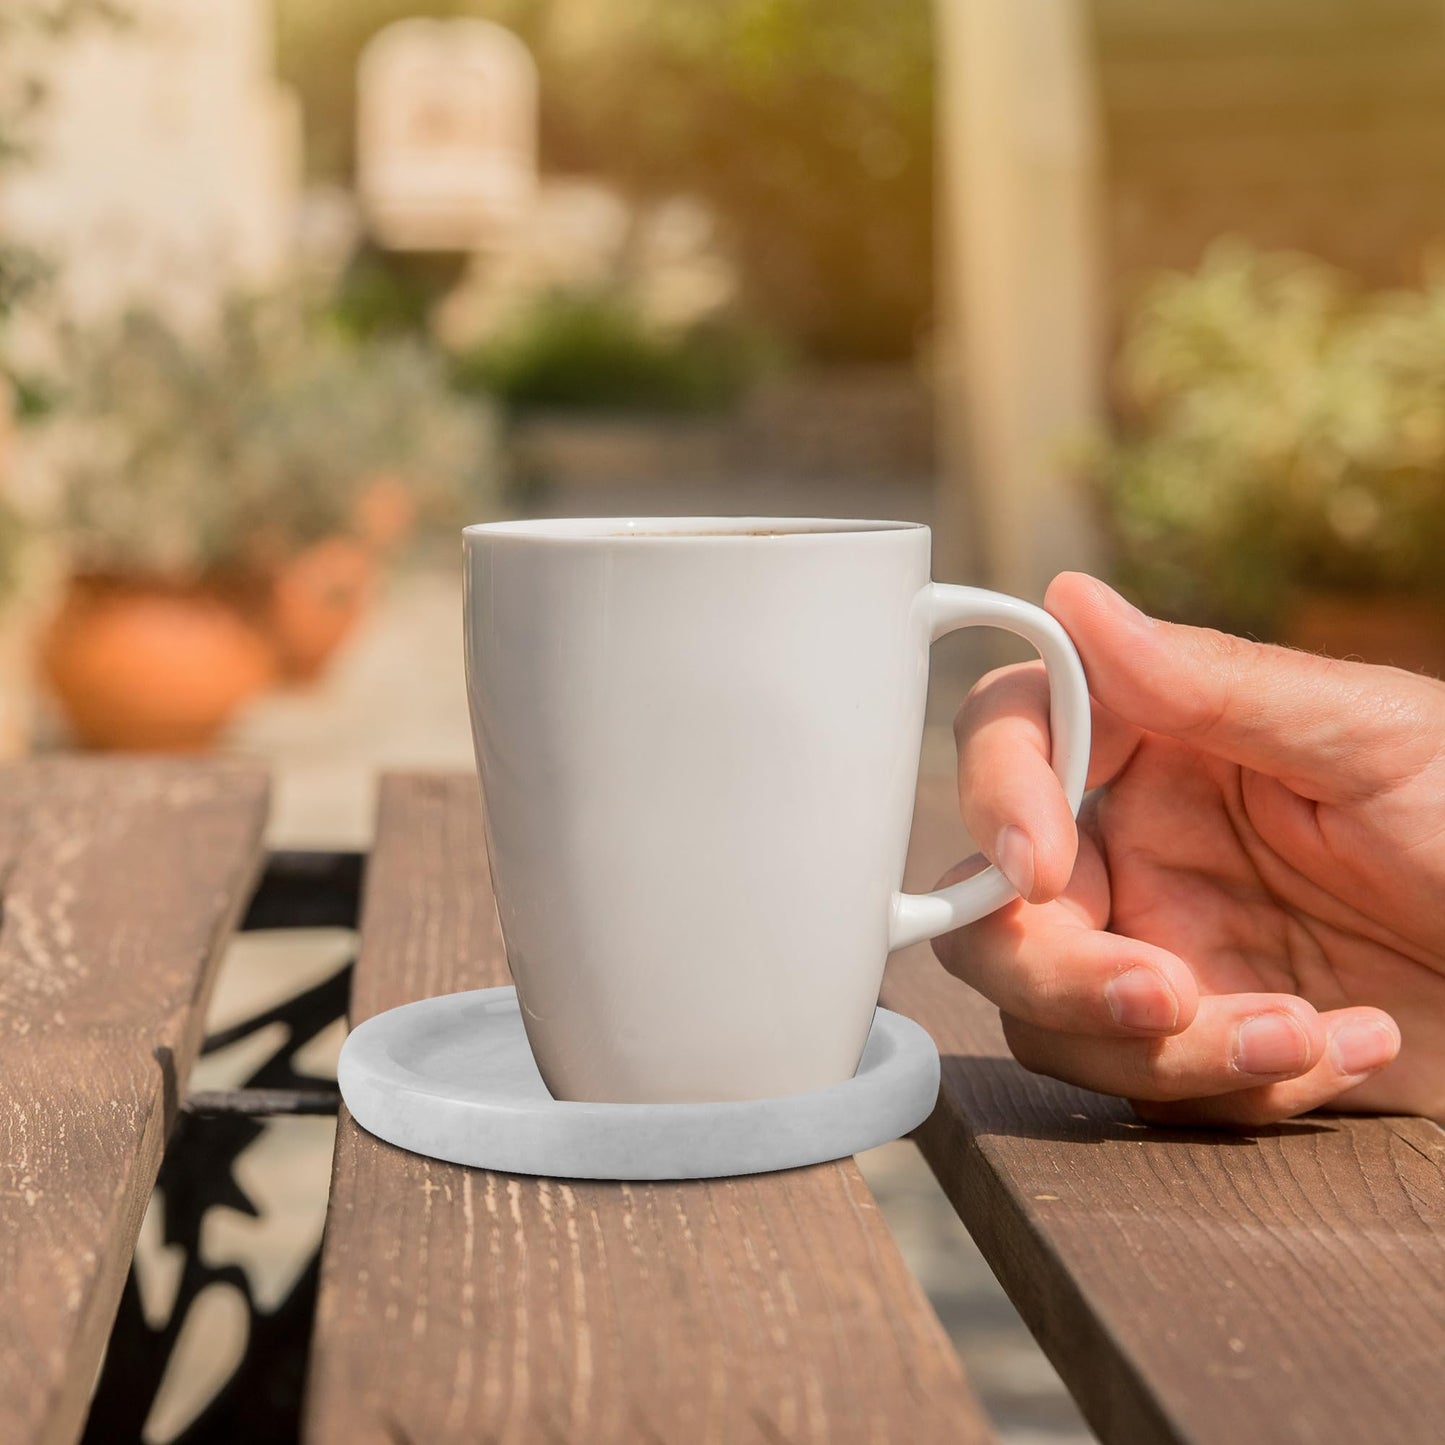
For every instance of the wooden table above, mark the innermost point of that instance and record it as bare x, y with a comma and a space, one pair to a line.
1287, 1285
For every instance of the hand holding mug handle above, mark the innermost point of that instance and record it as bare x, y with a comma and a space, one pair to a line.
921, 916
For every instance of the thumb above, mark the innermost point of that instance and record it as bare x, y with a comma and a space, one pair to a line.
1326, 728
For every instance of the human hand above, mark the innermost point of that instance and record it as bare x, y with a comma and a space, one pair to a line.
1249, 920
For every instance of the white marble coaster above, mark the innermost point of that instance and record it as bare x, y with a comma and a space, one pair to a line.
453, 1078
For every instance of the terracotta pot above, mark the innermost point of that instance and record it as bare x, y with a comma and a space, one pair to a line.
1406, 632
317, 599
385, 512
151, 667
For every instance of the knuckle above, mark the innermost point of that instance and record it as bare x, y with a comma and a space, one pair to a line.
1412, 718
969, 715
1216, 688
1148, 1078
1039, 997
1223, 648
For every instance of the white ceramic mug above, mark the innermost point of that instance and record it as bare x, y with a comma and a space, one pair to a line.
698, 740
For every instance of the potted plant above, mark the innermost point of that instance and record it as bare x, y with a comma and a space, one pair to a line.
1279, 461
224, 502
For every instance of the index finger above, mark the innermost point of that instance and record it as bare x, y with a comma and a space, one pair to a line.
1325, 728
1012, 803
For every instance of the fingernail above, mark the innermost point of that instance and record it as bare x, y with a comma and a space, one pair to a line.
1142, 999
1271, 1044
1363, 1045
1014, 854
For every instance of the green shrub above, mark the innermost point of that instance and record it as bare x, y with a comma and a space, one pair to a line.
1279, 431
591, 350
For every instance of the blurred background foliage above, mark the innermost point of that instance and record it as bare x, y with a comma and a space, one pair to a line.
224, 454
591, 350
806, 125
1279, 430
721, 271
34, 26
32, 29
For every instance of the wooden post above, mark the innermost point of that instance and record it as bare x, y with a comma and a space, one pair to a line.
1021, 288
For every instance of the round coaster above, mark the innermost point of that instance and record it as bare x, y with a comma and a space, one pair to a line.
453, 1078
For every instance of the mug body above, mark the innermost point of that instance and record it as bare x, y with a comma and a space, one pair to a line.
698, 741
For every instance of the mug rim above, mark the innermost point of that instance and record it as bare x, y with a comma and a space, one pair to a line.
773, 531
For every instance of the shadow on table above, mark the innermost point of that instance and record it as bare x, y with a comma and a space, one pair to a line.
999, 1097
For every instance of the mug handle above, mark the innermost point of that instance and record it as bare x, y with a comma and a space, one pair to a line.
920, 916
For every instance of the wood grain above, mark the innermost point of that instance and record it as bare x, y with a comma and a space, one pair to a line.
458, 1305
1287, 1285
120, 881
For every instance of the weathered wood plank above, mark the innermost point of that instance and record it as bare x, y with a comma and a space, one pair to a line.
459, 1306
119, 881
1286, 1285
